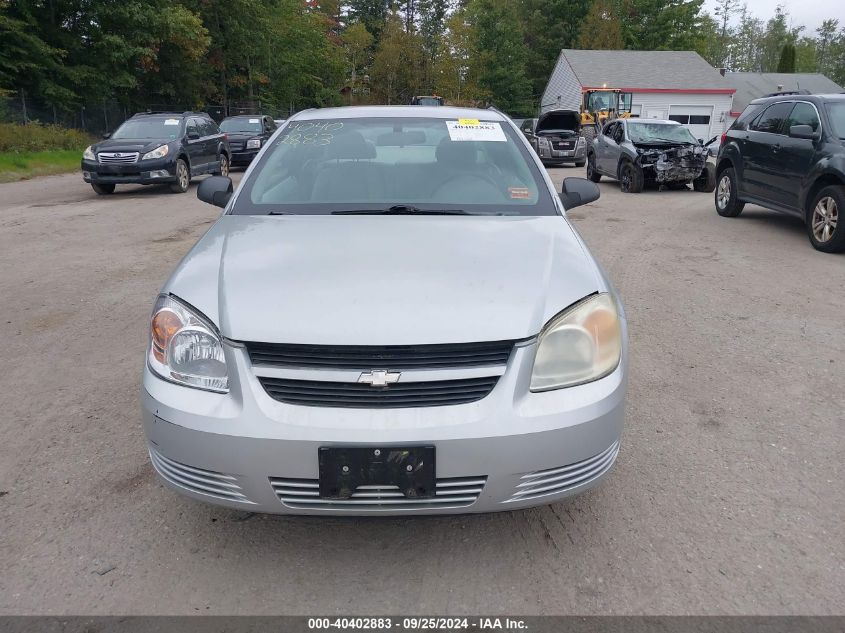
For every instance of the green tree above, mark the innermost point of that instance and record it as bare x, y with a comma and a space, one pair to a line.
602, 28
372, 13
500, 54
662, 24
357, 41
453, 72
725, 10
397, 64
787, 59
778, 34
549, 26
746, 49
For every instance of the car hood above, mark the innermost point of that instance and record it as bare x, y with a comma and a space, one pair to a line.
384, 280
129, 145
556, 120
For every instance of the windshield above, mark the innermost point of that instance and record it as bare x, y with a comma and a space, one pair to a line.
600, 101
241, 125
836, 113
642, 132
415, 164
153, 127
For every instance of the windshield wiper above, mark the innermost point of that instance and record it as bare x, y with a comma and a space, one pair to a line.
402, 209
281, 213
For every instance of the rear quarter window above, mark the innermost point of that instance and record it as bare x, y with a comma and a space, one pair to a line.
747, 115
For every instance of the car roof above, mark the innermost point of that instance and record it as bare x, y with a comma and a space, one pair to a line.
405, 111
799, 97
245, 116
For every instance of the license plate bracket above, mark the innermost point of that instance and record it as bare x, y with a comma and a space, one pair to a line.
344, 469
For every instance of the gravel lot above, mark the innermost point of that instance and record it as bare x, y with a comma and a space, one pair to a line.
727, 497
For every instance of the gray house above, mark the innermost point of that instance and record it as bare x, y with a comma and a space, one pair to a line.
750, 86
677, 85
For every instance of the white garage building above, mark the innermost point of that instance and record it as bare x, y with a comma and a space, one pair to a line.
676, 85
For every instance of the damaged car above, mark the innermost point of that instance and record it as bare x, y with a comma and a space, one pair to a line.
556, 137
639, 152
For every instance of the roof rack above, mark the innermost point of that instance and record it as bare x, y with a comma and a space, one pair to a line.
784, 93
171, 112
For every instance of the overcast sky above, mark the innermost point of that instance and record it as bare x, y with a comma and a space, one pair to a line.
806, 13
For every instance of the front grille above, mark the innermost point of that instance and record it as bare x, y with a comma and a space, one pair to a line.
434, 393
554, 481
198, 480
118, 157
454, 492
565, 145
392, 357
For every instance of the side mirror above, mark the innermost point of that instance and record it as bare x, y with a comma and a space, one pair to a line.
216, 190
701, 141
802, 131
576, 192
193, 136
106, 134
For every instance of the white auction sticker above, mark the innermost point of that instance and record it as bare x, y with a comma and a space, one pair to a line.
171, 122
254, 121
475, 130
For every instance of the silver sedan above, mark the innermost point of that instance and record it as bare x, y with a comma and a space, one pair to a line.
392, 316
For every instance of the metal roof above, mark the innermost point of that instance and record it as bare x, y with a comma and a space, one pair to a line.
645, 70
750, 86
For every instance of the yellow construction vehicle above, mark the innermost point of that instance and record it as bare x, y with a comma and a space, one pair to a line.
600, 104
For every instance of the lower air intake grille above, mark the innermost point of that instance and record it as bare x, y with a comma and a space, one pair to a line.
394, 357
455, 492
556, 480
198, 480
314, 393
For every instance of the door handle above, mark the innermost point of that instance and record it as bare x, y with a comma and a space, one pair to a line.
775, 147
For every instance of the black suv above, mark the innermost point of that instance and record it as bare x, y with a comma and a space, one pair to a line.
247, 134
160, 147
787, 153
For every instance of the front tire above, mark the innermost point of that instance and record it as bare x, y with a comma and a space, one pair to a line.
592, 174
102, 190
826, 220
706, 181
727, 203
183, 177
630, 177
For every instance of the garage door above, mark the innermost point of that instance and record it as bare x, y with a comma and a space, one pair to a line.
696, 118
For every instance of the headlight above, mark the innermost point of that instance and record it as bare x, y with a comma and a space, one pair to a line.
543, 142
158, 152
253, 143
581, 345
88, 154
185, 347
581, 141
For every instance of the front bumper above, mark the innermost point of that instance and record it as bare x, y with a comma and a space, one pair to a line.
244, 157
554, 156
142, 172
512, 449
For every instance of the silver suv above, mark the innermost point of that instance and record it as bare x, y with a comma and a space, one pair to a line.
392, 315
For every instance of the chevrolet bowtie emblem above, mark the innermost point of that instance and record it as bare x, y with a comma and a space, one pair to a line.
379, 377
